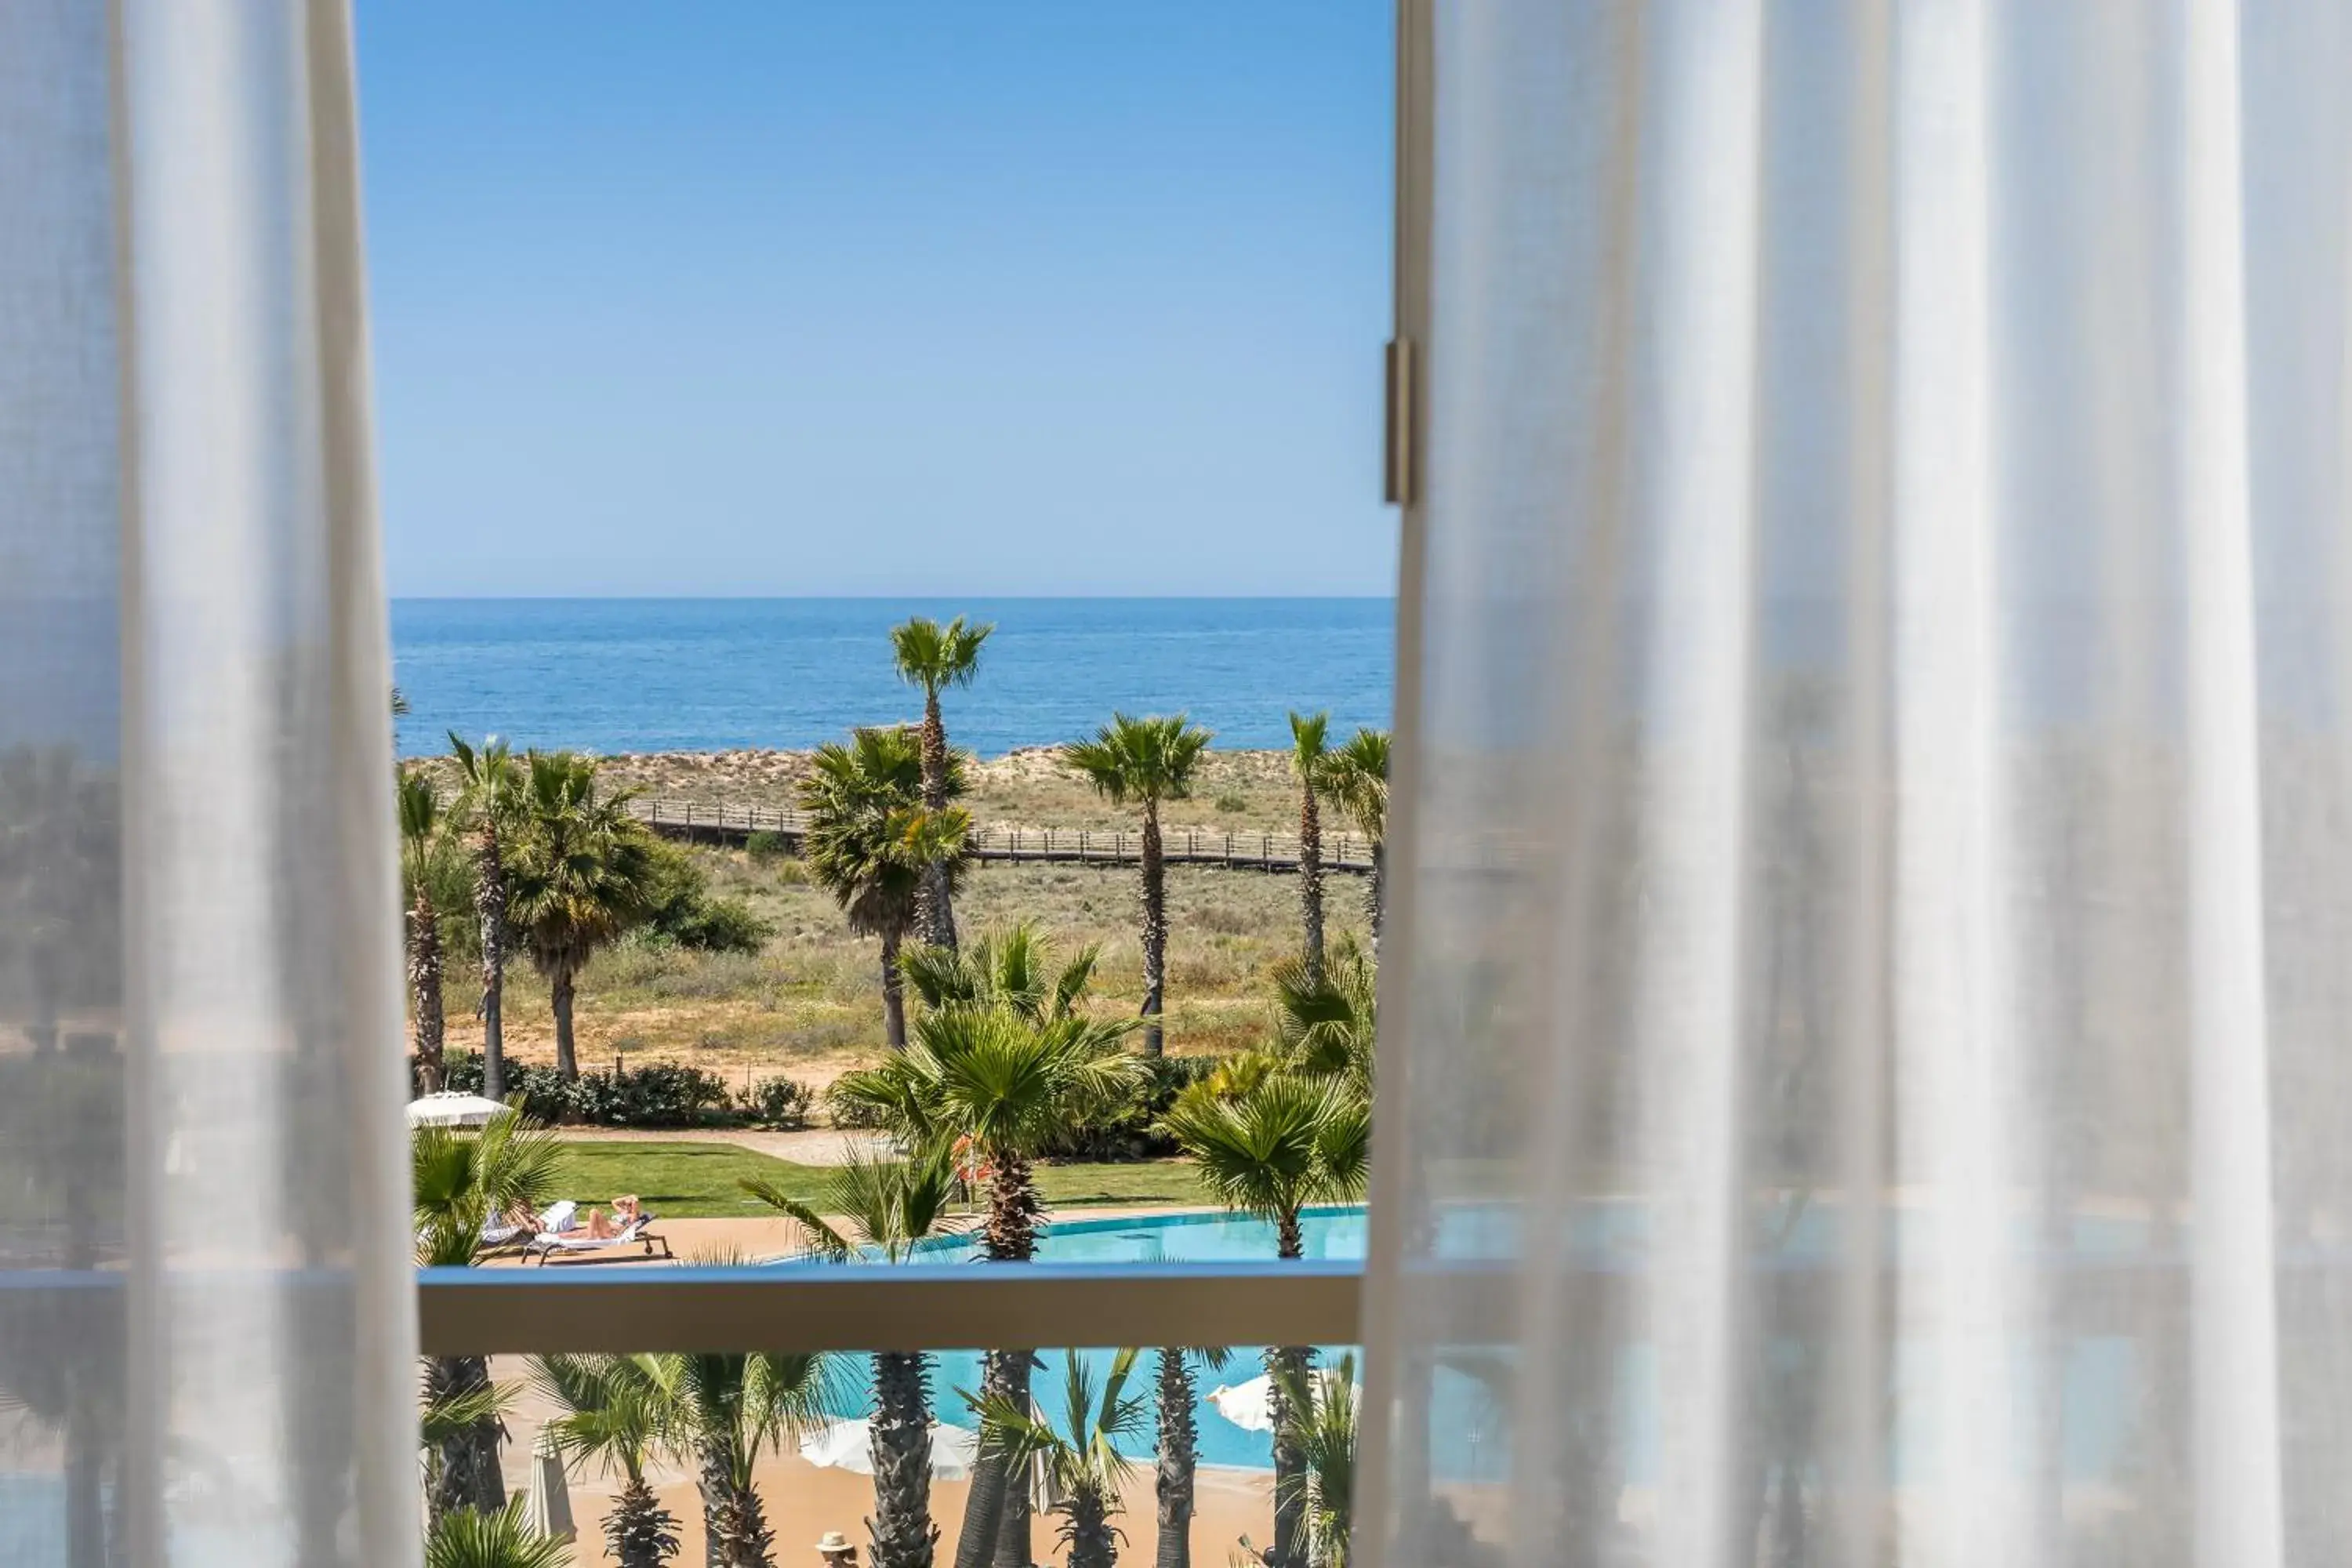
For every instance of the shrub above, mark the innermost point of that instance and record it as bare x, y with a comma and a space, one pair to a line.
684, 913
765, 846
848, 1114
1130, 1130
659, 1094
1229, 801
721, 925
781, 1103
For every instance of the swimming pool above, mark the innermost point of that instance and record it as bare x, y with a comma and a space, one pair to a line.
1467, 1410
1329, 1233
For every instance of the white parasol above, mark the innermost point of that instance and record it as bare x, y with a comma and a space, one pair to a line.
549, 1509
1250, 1405
450, 1108
849, 1446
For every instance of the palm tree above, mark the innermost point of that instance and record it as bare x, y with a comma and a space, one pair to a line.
1147, 760
1177, 1454
582, 873
720, 1412
489, 800
500, 1538
420, 843
1327, 1028
1081, 1456
1358, 783
1004, 1084
889, 1207
871, 842
461, 1183
936, 656
1289, 1142
1309, 762
1323, 1423
1016, 967
612, 1415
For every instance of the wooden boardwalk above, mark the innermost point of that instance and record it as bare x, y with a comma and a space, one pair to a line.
1276, 852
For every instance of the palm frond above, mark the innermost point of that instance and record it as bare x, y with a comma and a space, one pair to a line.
934, 657
464, 1539
820, 1239
447, 1415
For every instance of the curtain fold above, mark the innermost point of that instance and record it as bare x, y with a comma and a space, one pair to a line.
1870, 1082
206, 1314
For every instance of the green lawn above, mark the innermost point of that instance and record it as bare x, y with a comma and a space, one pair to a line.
698, 1180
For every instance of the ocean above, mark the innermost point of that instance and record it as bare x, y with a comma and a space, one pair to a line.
699, 675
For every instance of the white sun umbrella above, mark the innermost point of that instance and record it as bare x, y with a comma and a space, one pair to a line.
1250, 1405
450, 1108
849, 1446
548, 1511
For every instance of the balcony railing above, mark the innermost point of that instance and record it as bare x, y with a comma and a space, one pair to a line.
483, 1311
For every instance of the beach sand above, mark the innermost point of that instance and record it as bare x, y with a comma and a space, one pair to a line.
804, 1500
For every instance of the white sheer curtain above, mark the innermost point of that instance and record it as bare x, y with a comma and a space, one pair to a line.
207, 1324
1872, 1079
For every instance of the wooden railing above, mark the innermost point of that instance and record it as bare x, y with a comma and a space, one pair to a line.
1180, 845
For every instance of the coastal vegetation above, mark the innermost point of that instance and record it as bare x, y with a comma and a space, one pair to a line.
1085, 1021
887, 1210
877, 846
933, 658
1150, 761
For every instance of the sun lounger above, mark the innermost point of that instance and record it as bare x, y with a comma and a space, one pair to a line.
548, 1243
556, 1221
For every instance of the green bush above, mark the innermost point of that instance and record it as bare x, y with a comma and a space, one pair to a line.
848, 1113
721, 925
684, 913
1131, 1130
764, 846
781, 1103
659, 1094
1229, 801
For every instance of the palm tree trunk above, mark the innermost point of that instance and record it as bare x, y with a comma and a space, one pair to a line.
734, 1523
1155, 929
936, 907
639, 1533
1177, 1460
1014, 1546
1376, 895
1286, 1362
983, 1508
894, 991
424, 991
491, 909
560, 984
1310, 880
1283, 1365
471, 1476
901, 1530
1090, 1537
996, 1517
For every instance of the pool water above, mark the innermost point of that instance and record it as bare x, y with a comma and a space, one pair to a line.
1468, 1412
1329, 1233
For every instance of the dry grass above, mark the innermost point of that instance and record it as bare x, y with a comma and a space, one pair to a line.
809, 1003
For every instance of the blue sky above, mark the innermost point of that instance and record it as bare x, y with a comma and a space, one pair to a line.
905, 299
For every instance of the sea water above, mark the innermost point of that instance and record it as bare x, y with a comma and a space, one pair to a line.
658, 675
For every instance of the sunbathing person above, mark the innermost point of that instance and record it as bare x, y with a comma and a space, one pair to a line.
605, 1227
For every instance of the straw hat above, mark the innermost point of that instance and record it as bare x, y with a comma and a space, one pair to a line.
833, 1541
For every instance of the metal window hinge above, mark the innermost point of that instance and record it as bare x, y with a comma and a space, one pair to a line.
1399, 476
